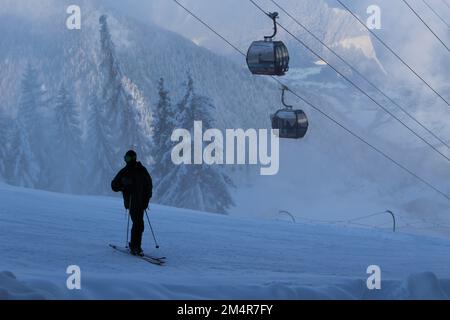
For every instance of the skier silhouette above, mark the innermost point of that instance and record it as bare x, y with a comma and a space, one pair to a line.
136, 185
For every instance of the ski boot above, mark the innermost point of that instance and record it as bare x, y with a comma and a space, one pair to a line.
135, 251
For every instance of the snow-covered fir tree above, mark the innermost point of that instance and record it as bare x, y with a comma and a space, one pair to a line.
200, 187
27, 139
67, 155
164, 122
23, 169
139, 120
109, 72
33, 114
5, 125
100, 164
125, 114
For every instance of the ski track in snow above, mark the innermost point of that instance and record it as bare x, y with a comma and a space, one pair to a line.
209, 256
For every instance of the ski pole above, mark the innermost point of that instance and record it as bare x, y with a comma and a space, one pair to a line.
128, 229
151, 228
127, 212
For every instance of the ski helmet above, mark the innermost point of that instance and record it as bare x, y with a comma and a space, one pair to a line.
130, 156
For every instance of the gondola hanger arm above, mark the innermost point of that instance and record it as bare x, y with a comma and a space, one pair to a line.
274, 17
283, 92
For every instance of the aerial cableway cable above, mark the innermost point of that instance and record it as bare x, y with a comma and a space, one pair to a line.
355, 85
360, 74
426, 25
446, 3
436, 13
349, 131
394, 53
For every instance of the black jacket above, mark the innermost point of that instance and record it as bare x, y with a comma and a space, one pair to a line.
136, 185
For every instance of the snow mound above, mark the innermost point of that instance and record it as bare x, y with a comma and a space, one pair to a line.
426, 286
13, 289
419, 286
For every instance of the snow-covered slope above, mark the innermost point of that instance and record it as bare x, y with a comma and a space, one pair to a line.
209, 256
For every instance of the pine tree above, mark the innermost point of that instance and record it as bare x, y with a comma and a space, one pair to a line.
27, 133
137, 121
24, 170
164, 122
123, 109
110, 76
4, 141
34, 117
100, 167
200, 187
31, 100
67, 153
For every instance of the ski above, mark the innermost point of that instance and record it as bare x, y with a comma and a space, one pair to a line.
157, 261
161, 260
154, 258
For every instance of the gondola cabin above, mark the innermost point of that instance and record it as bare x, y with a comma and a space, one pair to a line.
292, 124
268, 57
